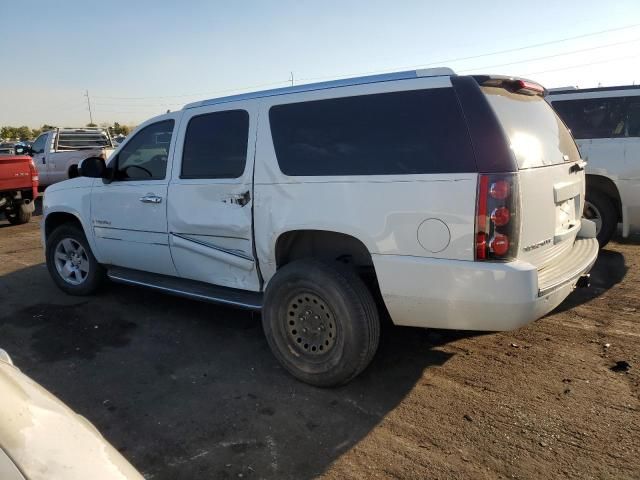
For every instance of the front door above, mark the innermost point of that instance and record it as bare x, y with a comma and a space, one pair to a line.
39, 158
129, 215
211, 196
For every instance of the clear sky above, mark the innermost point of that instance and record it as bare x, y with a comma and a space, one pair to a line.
140, 58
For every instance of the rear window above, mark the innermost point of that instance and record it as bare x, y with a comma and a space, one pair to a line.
536, 134
412, 132
80, 140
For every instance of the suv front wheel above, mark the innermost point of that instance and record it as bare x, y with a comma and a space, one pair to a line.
71, 263
321, 322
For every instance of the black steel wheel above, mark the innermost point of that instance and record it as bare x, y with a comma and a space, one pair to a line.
321, 322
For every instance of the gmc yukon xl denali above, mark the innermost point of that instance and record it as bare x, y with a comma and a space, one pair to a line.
447, 201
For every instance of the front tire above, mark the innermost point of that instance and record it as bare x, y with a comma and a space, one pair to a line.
321, 322
71, 263
600, 208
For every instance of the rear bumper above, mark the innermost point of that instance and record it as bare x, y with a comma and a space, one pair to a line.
465, 295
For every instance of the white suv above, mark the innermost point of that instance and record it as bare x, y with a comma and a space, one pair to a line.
450, 201
606, 124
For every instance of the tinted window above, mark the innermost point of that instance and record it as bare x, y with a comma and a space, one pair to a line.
536, 135
632, 124
215, 145
78, 140
38, 145
593, 117
413, 132
145, 155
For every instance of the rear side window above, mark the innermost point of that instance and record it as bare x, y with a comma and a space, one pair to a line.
596, 117
79, 140
413, 132
536, 134
215, 145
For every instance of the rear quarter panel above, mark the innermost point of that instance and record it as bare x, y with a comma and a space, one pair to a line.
385, 212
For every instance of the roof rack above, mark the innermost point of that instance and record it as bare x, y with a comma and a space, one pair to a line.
385, 77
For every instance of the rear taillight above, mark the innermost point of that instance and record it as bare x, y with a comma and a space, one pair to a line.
497, 217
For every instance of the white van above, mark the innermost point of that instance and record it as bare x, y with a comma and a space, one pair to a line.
606, 125
450, 201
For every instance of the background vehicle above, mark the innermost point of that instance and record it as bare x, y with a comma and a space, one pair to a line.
42, 439
455, 200
606, 125
56, 153
18, 188
7, 148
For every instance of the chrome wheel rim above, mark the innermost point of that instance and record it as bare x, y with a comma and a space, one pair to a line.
592, 213
310, 324
71, 260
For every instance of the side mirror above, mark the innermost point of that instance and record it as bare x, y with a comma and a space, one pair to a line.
93, 167
23, 150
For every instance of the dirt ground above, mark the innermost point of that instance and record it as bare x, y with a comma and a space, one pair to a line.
190, 390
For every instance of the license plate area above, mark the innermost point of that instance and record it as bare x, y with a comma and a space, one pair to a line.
567, 215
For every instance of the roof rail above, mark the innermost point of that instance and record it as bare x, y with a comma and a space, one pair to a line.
384, 77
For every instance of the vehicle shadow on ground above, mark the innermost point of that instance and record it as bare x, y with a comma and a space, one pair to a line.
191, 390
609, 269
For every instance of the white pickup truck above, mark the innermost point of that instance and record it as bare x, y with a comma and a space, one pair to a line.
57, 153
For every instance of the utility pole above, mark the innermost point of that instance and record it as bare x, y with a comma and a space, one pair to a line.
291, 79
89, 103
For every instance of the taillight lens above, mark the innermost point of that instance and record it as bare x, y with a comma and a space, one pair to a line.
497, 218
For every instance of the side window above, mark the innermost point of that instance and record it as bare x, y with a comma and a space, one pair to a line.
593, 117
215, 145
633, 116
145, 155
412, 132
38, 145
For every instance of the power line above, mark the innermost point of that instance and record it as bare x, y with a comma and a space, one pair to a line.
473, 57
552, 56
609, 60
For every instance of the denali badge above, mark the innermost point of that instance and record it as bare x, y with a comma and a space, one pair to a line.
528, 248
101, 222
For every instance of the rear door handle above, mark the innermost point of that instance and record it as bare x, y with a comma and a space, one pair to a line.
151, 198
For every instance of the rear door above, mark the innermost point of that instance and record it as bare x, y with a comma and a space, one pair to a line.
550, 173
210, 209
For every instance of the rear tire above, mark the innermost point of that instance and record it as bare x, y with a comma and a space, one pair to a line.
321, 322
600, 208
21, 215
71, 263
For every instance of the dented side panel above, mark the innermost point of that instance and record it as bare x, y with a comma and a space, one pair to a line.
210, 219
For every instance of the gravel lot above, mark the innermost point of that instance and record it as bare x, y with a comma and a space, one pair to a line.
188, 390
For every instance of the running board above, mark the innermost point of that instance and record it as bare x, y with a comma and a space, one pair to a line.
187, 288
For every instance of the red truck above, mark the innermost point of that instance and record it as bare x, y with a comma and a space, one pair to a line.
18, 187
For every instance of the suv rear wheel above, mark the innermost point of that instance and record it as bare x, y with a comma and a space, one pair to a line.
599, 208
21, 214
71, 263
321, 322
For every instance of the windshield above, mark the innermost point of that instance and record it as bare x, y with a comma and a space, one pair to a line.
536, 134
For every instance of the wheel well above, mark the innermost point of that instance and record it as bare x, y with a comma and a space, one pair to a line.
321, 244
73, 171
608, 188
330, 246
54, 220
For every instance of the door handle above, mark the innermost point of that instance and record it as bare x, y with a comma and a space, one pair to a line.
151, 198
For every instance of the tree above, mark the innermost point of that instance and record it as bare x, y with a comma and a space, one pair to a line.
23, 133
91, 125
